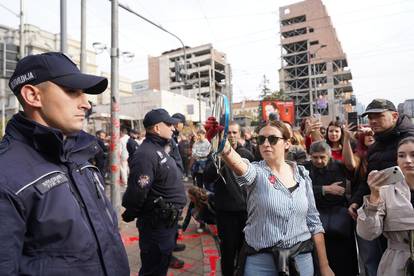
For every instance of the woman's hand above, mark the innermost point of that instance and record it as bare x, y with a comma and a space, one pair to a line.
346, 129
375, 182
326, 271
312, 126
352, 210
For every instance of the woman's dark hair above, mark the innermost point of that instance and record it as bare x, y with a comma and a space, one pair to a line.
406, 140
200, 196
335, 124
277, 124
303, 125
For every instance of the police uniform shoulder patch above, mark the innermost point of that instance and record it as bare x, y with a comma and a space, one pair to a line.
143, 180
49, 183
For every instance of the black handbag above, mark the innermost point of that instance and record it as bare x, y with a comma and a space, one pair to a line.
336, 221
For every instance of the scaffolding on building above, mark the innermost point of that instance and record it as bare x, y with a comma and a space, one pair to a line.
314, 70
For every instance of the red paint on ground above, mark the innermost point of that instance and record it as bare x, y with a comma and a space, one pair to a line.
187, 237
213, 252
129, 240
186, 267
213, 264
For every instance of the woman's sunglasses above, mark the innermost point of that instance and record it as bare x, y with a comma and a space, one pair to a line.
271, 138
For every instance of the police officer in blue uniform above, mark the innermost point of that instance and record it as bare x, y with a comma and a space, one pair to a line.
54, 216
155, 194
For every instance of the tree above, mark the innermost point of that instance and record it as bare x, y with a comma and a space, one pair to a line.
277, 96
265, 89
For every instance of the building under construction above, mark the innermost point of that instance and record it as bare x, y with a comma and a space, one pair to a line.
205, 75
314, 69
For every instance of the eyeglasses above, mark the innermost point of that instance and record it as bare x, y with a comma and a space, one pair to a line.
273, 139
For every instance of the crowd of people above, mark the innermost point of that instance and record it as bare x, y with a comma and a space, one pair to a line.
336, 160
308, 200
333, 161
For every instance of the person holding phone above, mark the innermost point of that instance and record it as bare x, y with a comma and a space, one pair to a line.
389, 129
310, 128
388, 210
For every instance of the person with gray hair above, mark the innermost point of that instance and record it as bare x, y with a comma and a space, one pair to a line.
329, 178
320, 147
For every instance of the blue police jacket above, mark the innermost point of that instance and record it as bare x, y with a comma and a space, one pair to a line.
54, 217
154, 173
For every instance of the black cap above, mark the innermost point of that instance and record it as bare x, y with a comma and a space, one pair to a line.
156, 116
379, 106
179, 117
57, 68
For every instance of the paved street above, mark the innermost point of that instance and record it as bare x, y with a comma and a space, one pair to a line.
201, 255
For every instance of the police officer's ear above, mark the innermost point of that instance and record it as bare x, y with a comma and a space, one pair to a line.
30, 95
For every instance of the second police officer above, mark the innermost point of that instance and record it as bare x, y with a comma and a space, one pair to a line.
155, 194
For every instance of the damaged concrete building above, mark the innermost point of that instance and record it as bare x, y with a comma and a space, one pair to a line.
314, 68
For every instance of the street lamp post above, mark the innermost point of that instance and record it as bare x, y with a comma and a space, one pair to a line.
313, 91
115, 107
199, 93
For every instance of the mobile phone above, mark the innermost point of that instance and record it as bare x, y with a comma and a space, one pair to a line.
316, 117
392, 175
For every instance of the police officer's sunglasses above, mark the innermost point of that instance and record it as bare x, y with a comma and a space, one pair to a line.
271, 138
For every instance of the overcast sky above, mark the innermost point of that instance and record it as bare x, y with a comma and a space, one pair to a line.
376, 35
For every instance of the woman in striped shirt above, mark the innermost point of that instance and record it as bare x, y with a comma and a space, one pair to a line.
281, 208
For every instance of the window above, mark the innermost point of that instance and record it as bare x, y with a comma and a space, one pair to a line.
311, 30
293, 20
294, 32
314, 42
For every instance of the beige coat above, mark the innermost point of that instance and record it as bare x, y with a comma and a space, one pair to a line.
393, 217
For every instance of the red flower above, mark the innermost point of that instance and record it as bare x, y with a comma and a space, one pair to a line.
272, 179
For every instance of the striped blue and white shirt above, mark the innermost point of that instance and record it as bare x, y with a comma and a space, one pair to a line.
277, 217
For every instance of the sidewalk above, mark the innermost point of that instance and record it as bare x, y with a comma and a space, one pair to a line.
201, 256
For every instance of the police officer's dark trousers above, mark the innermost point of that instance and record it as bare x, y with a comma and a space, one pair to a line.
156, 245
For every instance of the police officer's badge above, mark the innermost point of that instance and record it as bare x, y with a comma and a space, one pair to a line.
143, 180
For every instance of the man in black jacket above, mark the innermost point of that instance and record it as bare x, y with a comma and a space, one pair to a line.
101, 158
132, 144
230, 202
55, 217
389, 128
155, 194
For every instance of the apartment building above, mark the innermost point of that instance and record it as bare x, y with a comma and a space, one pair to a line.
206, 73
